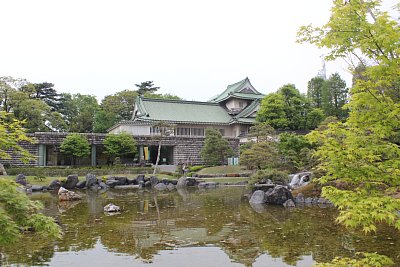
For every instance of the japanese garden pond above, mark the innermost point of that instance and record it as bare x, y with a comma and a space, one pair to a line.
215, 227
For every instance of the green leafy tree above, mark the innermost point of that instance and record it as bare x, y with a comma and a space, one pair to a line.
17, 211
117, 145
216, 148
272, 111
287, 109
260, 155
76, 146
79, 112
315, 89
360, 151
335, 96
44, 91
296, 152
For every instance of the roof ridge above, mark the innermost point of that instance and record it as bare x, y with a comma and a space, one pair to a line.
178, 101
228, 88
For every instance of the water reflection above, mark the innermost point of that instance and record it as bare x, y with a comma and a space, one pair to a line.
191, 228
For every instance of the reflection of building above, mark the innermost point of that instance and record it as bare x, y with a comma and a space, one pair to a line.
232, 112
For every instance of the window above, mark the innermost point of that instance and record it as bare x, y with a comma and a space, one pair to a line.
154, 130
241, 104
222, 131
197, 131
183, 131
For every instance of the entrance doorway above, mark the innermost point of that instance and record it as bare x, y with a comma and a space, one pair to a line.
166, 155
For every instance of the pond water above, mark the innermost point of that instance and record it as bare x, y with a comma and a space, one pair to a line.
191, 228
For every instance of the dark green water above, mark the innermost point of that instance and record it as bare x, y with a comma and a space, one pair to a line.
191, 228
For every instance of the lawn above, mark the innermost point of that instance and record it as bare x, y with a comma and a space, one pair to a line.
47, 180
229, 180
224, 170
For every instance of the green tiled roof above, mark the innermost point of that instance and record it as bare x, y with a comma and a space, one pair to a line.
178, 111
248, 110
233, 90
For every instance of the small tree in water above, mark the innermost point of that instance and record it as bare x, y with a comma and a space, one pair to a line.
216, 148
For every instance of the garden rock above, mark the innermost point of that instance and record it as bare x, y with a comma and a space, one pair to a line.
21, 179
36, 188
54, 185
308, 200
81, 184
103, 185
90, 180
121, 180
258, 197
71, 181
207, 185
171, 186
140, 178
66, 195
111, 208
278, 195
289, 204
153, 180
299, 198
147, 184
160, 186
112, 183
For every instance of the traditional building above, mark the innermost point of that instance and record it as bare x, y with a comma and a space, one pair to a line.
232, 112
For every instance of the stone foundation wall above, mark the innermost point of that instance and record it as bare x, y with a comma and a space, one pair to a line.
184, 148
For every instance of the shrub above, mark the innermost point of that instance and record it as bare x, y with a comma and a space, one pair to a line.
262, 176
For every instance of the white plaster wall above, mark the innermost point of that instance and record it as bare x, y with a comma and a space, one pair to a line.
133, 129
234, 103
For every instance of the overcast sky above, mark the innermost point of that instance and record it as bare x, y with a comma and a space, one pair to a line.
192, 49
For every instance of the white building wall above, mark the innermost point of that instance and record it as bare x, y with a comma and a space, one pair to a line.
132, 129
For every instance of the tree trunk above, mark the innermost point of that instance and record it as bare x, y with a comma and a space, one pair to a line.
158, 156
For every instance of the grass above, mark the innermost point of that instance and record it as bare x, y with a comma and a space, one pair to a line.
48, 180
224, 170
229, 180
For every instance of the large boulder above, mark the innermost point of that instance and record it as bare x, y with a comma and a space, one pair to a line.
91, 180
278, 195
66, 195
21, 179
54, 185
258, 197
300, 179
71, 181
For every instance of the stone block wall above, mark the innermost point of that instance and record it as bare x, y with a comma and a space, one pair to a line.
184, 148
